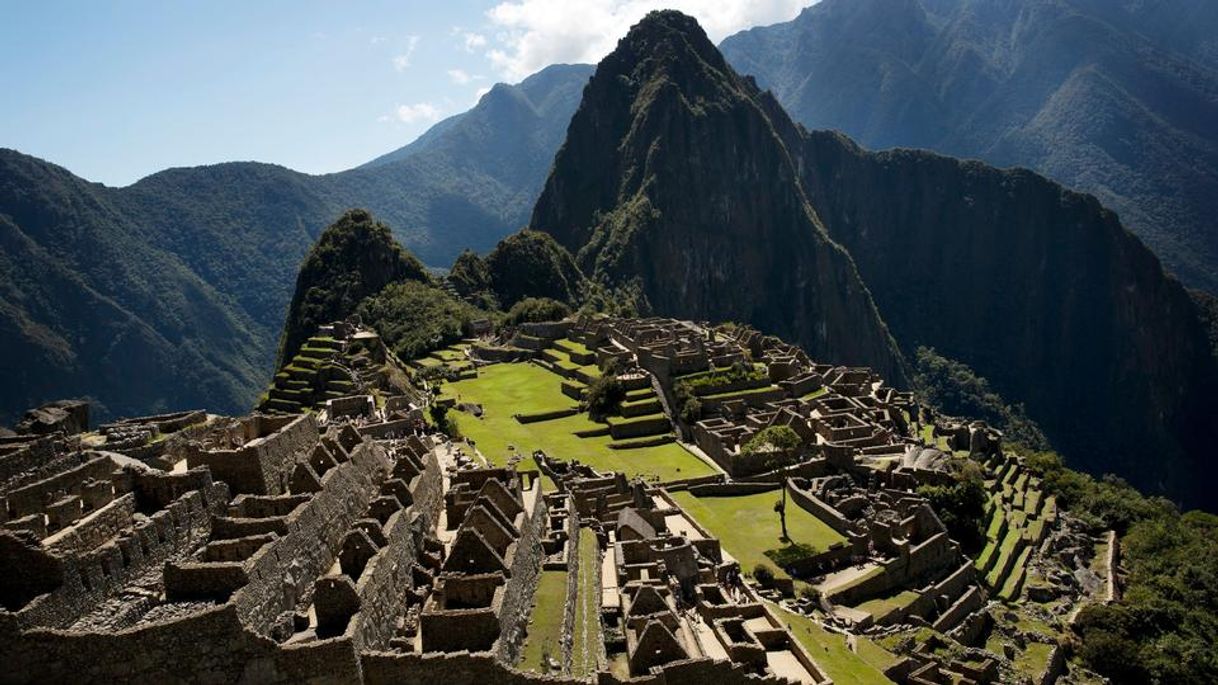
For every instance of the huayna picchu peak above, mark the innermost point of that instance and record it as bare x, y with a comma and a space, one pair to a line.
675, 176
741, 402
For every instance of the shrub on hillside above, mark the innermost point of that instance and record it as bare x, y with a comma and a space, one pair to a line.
414, 319
603, 396
536, 309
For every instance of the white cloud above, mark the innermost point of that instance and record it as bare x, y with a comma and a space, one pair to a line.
473, 41
460, 76
420, 111
537, 33
401, 62
481, 91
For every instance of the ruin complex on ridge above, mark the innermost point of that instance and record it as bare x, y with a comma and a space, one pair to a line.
335, 535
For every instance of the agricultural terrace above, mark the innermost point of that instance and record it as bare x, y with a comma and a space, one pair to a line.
862, 667
544, 639
504, 390
747, 526
586, 638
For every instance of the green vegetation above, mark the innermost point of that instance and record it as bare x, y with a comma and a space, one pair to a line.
414, 319
354, 258
881, 606
1165, 626
773, 438
748, 529
962, 505
603, 396
472, 280
705, 382
864, 667
531, 264
586, 640
954, 388
545, 623
533, 309
507, 389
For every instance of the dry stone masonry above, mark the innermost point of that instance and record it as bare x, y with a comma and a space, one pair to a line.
334, 536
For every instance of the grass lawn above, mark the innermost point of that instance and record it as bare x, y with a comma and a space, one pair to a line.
747, 526
740, 393
507, 389
571, 346
815, 394
829, 650
587, 638
1033, 661
880, 606
545, 623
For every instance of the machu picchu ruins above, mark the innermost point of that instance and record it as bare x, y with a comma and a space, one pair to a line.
737, 512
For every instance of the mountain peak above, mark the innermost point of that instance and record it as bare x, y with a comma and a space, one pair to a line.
666, 43
675, 180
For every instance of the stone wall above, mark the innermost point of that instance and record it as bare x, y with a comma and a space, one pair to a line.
921, 561
262, 466
88, 579
386, 579
526, 567
208, 646
285, 573
821, 510
95, 528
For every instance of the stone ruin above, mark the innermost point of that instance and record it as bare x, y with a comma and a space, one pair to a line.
348, 544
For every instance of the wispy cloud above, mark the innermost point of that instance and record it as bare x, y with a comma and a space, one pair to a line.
401, 61
418, 112
473, 41
533, 34
462, 77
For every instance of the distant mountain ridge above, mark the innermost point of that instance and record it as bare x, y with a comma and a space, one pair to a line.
685, 180
171, 292
1118, 98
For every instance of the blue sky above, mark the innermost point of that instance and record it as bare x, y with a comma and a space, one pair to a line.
118, 90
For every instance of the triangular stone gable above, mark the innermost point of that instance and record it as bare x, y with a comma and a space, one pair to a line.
490, 527
656, 646
471, 553
632, 526
502, 497
647, 600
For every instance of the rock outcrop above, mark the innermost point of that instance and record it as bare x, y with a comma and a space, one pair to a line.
355, 258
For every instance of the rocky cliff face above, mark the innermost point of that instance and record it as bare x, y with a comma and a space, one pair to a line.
674, 177
1038, 289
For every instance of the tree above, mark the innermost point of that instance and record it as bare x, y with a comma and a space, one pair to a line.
781, 507
603, 396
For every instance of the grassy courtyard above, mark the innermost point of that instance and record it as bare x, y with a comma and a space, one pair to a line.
545, 623
504, 390
830, 651
747, 525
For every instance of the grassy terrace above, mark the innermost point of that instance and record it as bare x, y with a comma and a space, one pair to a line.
880, 606
586, 640
740, 393
747, 526
571, 346
504, 390
866, 667
815, 394
545, 623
